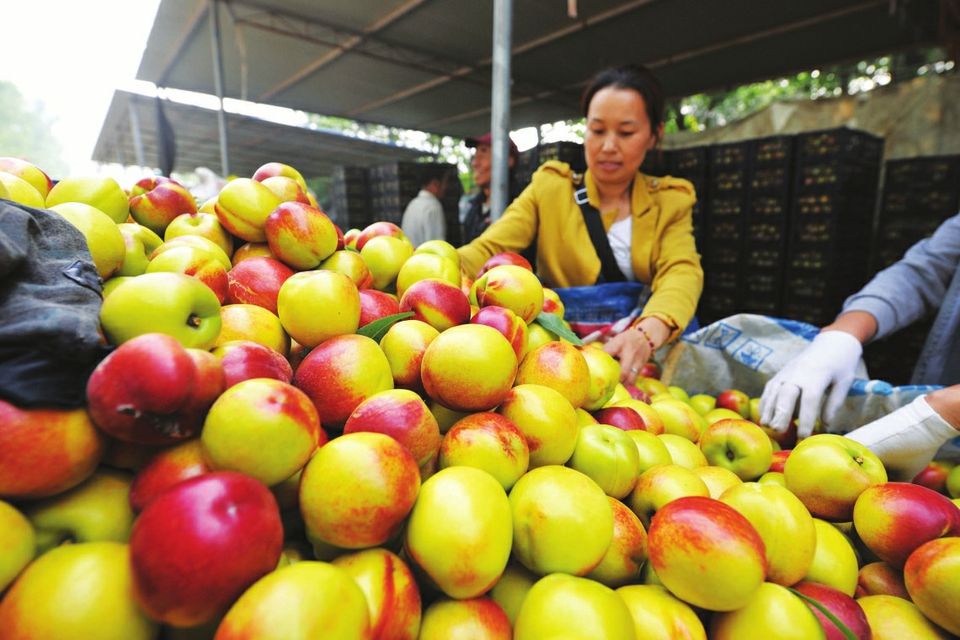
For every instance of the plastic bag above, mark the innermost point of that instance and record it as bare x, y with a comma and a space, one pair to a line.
744, 351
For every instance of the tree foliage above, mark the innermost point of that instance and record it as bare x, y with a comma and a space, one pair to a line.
25, 132
716, 109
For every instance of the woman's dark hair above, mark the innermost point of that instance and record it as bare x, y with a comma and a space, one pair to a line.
635, 77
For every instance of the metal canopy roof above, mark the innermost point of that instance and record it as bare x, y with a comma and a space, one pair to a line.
253, 141
425, 64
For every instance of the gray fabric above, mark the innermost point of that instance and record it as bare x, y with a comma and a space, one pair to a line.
924, 281
50, 297
423, 219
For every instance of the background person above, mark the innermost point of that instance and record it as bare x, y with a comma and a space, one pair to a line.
477, 218
924, 281
612, 224
423, 218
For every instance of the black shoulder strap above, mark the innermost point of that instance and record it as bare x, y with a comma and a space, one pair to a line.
609, 271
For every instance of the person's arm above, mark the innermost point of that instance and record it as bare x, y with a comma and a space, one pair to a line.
894, 298
914, 286
908, 438
676, 287
678, 277
514, 231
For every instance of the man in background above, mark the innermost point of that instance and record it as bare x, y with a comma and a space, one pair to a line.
423, 218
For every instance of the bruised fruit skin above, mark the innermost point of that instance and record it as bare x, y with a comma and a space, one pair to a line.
165, 407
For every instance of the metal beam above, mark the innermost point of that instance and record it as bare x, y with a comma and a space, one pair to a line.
135, 133
529, 45
324, 60
688, 54
500, 106
218, 86
319, 32
767, 33
193, 26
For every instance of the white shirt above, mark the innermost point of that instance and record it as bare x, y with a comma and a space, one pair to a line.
619, 237
423, 219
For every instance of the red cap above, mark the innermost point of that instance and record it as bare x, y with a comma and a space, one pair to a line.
487, 139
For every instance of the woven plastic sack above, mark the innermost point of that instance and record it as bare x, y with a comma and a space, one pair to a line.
744, 351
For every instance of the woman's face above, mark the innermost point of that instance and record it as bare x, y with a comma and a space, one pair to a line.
481, 165
618, 135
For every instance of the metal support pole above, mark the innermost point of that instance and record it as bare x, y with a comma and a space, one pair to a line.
500, 106
218, 84
135, 132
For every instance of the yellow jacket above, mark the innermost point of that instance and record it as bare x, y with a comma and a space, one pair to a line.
664, 254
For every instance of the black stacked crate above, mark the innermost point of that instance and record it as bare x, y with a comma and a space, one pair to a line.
569, 152
527, 163
395, 184
349, 197
729, 187
835, 189
392, 186
530, 160
918, 195
894, 358
764, 246
691, 164
451, 206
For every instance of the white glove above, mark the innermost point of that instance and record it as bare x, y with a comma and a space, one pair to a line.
907, 439
829, 361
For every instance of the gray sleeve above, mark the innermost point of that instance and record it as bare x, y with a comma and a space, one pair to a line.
914, 287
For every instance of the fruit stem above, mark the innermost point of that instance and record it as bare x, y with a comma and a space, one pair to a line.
193, 320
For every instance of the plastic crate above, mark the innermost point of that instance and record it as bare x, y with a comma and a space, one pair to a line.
923, 173
764, 256
690, 163
812, 311
773, 151
894, 358
722, 255
569, 152
850, 144
656, 163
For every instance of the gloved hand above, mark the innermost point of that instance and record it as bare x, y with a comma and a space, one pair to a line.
829, 361
907, 439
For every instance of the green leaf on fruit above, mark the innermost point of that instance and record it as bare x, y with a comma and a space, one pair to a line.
844, 629
551, 322
377, 328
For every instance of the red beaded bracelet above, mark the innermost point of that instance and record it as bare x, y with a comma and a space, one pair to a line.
646, 335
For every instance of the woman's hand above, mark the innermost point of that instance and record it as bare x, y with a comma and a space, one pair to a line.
633, 349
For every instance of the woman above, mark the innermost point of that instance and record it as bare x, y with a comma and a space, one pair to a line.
642, 233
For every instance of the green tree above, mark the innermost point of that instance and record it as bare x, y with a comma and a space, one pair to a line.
25, 132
